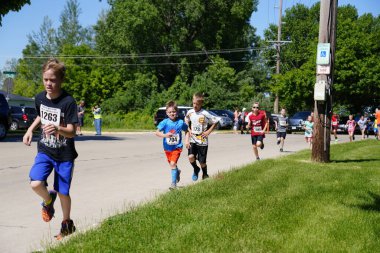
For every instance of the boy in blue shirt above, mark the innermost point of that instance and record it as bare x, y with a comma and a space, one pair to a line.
170, 129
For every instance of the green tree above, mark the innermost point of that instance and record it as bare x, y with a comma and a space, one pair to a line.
70, 31
356, 72
11, 5
143, 28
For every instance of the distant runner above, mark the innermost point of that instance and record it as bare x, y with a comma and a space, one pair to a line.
257, 123
281, 125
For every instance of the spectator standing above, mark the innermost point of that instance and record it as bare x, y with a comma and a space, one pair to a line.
236, 120
80, 117
97, 112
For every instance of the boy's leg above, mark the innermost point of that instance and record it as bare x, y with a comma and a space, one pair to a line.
254, 147
40, 188
66, 205
41, 169
192, 155
202, 158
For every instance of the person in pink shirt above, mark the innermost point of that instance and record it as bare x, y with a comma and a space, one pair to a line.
351, 124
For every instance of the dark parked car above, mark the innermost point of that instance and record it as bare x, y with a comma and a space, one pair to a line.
296, 121
22, 117
161, 113
5, 117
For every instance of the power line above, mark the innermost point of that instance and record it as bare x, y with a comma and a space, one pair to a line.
148, 55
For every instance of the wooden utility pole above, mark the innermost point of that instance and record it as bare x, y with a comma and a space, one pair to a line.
323, 86
278, 46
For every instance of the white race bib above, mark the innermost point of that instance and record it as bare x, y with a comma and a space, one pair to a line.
282, 123
257, 128
50, 115
173, 140
197, 129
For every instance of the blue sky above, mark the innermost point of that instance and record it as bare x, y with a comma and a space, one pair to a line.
17, 25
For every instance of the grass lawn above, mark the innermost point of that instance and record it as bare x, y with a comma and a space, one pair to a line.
277, 205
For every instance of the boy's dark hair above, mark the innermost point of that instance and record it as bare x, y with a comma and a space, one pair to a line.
57, 66
173, 104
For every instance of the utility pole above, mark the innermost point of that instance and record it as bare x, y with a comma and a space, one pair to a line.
278, 45
323, 86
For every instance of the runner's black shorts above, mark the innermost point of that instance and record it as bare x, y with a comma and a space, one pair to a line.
281, 135
199, 152
256, 138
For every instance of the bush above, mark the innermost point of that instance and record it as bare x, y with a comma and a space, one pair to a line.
132, 120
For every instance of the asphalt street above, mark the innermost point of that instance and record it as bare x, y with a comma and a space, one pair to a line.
112, 173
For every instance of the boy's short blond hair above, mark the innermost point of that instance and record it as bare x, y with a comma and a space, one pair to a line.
199, 96
173, 104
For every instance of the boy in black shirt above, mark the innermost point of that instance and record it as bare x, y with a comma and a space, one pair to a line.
56, 150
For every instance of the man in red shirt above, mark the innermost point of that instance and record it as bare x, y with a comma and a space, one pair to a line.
257, 123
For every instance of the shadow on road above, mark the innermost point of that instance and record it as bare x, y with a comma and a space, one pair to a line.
18, 138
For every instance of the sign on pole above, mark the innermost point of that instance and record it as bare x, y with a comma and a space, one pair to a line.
323, 54
9, 74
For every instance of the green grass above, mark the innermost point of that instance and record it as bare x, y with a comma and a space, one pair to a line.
283, 205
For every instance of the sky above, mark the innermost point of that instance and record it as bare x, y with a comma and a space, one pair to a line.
16, 26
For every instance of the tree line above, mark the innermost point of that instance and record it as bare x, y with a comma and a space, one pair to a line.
142, 53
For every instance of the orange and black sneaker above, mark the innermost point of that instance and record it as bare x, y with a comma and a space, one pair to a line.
48, 210
67, 228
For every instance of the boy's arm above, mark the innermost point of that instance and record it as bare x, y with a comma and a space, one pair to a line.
187, 139
266, 124
28, 136
162, 135
68, 131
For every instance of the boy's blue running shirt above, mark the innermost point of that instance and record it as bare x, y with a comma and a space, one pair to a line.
176, 127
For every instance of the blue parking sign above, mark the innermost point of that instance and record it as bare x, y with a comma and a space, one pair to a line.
323, 54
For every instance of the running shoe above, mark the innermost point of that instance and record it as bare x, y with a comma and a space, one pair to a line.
178, 175
173, 186
278, 142
67, 228
195, 177
281, 150
262, 145
257, 158
205, 176
48, 210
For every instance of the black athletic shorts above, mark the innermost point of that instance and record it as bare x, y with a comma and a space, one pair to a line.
199, 152
257, 138
281, 134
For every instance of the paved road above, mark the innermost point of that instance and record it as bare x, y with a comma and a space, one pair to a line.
112, 173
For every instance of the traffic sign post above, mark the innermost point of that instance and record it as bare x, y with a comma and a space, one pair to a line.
9, 74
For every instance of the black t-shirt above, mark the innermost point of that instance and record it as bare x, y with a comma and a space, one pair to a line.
60, 111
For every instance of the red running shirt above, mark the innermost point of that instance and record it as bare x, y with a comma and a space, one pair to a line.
258, 123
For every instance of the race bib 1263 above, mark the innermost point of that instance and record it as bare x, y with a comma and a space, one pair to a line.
50, 115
